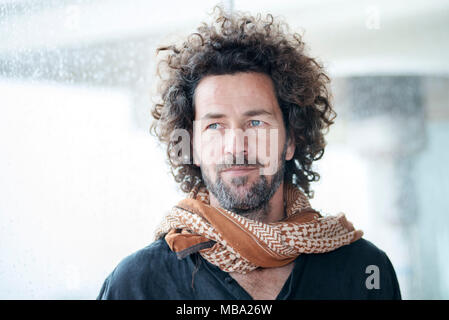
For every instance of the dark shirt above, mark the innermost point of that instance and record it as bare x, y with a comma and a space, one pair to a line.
154, 272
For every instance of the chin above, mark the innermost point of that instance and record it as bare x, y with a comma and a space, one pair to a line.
241, 182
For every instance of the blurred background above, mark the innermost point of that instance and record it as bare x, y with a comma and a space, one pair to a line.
83, 184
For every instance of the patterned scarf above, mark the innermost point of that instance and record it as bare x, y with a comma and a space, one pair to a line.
238, 244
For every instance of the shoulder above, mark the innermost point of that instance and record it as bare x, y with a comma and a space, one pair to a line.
378, 277
359, 270
155, 254
361, 250
355, 255
140, 274
361, 255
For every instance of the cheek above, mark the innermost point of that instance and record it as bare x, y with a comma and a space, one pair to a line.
274, 144
269, 145
207, 148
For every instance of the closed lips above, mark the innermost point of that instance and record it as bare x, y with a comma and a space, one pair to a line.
239, 169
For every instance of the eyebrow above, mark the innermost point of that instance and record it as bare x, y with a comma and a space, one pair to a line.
257, 112
250, 113
211, 115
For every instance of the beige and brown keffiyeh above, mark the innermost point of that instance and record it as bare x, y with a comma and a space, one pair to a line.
238, 244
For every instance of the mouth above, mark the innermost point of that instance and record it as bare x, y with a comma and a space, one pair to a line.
238, 170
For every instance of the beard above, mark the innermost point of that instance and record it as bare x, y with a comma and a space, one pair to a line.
253, 203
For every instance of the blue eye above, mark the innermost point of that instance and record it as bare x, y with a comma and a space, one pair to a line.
255, 123
213, 126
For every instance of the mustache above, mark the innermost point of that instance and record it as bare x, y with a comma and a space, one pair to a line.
231, 162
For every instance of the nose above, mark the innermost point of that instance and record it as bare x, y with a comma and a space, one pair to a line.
235, 144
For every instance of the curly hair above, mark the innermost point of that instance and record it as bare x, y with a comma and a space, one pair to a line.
240, 42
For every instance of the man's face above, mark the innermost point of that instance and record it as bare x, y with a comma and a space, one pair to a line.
240, 140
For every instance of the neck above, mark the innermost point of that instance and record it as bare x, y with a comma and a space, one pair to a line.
272, 212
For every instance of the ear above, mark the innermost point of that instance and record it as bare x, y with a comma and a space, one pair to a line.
291, 147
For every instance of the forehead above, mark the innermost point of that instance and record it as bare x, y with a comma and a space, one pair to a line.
235, 93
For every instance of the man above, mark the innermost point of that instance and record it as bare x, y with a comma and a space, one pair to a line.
254, 107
